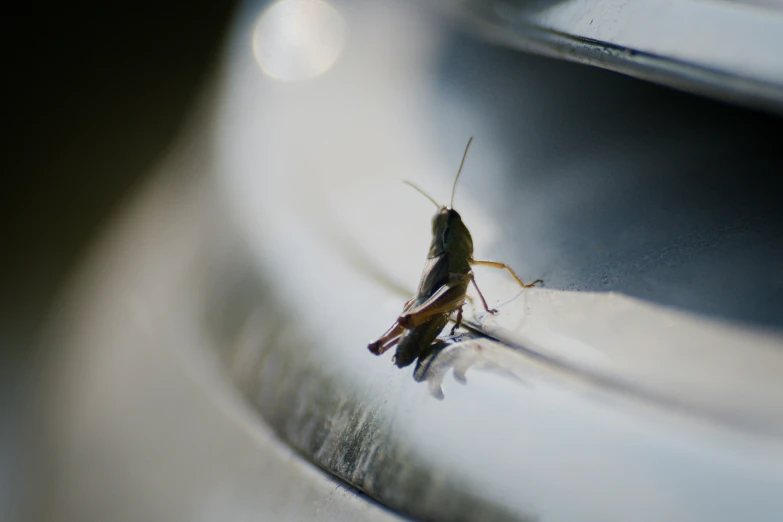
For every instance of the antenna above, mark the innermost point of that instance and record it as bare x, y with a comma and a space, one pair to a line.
454, 188
424, 193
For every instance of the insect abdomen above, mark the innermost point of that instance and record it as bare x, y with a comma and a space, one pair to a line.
415, 339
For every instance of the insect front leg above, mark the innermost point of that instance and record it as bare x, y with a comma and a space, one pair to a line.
497, 264
447, 298
472, 306
458, 322
483, 301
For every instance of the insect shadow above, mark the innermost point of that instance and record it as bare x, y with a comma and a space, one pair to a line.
439, 357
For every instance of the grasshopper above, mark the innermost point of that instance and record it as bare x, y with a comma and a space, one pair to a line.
443, 286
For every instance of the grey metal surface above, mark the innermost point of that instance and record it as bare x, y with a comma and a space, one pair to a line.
723, 49
641, 383
136, 419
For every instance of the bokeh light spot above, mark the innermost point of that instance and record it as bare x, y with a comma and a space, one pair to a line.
298, 40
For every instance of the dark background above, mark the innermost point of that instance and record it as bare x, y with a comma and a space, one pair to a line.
91, 100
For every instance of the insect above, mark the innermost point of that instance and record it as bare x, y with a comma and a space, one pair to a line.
443, 286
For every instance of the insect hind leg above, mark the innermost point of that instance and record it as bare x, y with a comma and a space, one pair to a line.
448, 298
391, 336
388, 339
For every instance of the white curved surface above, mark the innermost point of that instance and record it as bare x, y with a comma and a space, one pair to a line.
139, 419
629, 410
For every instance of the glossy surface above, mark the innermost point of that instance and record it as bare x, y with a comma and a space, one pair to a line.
638, 384
730, 52
138, 419
624, 389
